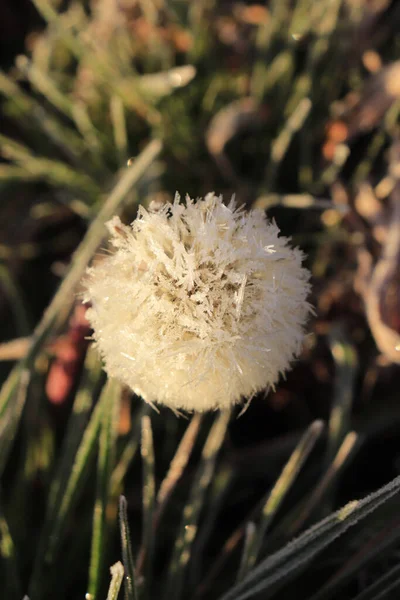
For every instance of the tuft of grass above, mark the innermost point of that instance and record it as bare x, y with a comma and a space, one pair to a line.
203, 95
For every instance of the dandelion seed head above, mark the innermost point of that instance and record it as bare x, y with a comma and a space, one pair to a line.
200, 306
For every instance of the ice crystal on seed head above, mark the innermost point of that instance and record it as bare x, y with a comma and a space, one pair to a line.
200, 306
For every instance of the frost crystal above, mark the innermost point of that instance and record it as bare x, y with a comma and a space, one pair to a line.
200, 306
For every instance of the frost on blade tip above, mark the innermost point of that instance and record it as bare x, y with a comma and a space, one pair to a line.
200, 305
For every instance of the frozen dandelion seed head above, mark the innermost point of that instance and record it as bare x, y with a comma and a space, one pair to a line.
200, 305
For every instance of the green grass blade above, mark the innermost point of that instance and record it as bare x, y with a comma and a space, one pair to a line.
54, 171
127, 554
345, 359
219, 492
44, 84
118, 120
51, 16
280, 489
191, 512
9, 389
11, 416
149, 497
318, 496
127, 456
9, 576
77, 423
36, 119
60, 306
177, 465
248, 545
17, 305
56, 519
105, 465
368, 546
280, 145
384, 587
86, 128
276, 570
11, 173
298, 201
84, 454
11, 90
117, 575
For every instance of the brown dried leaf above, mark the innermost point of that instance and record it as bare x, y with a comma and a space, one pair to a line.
382, 294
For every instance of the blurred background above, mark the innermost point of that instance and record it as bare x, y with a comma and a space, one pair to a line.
291, 105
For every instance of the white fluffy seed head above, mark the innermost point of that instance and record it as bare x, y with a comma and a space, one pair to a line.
200, 306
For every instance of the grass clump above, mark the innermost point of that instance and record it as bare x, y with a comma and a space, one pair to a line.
292, 105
